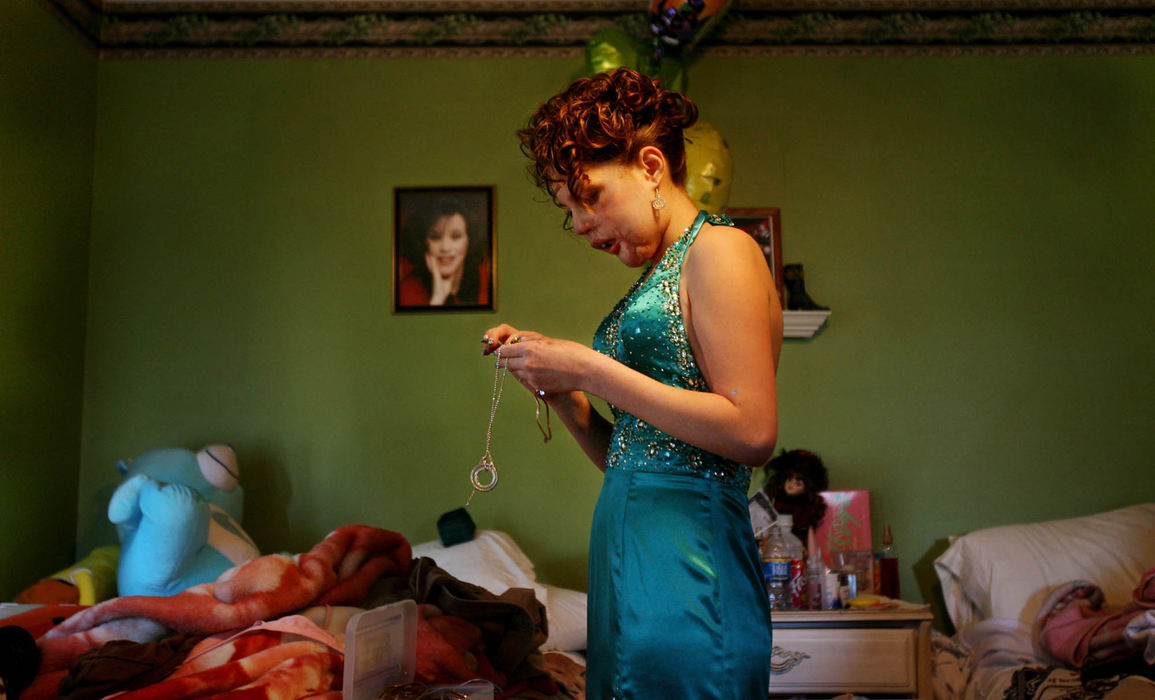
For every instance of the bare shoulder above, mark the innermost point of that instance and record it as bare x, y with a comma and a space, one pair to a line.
725, 246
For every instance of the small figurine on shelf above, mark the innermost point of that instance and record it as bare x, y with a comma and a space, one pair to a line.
796, 297
794, 482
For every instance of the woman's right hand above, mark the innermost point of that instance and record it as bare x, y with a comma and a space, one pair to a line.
441, 287
500, 335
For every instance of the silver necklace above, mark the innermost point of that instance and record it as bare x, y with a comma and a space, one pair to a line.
486, 465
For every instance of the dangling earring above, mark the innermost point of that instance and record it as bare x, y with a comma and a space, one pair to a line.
659, 202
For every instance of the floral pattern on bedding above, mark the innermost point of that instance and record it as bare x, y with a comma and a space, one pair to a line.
463, 632
1041, 683
955, 678
1079, 648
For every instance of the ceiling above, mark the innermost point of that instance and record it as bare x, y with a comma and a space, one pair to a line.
159, 28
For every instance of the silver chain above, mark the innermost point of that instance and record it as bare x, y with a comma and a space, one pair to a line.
486, 465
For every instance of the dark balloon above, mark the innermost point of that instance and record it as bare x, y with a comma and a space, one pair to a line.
678, 25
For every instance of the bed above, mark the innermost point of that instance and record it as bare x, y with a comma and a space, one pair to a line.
1055, 610
274, 627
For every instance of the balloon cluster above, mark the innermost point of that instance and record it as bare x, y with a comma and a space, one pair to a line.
675, 28
678, 25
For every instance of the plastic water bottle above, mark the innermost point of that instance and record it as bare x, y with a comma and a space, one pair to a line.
781, 557
796, 589
776, 567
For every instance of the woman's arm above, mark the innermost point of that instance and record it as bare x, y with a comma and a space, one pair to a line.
734, 321
589, 428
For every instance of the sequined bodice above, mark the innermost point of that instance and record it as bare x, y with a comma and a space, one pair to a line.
646, 332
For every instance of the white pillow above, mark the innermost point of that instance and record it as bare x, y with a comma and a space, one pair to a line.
493, 561
567, 619
1008, 571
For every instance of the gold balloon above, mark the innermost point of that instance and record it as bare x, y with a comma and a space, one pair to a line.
709, 169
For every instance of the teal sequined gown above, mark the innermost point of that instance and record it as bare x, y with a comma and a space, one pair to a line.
677, 606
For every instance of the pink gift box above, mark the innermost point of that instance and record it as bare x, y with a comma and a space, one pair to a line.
846, 525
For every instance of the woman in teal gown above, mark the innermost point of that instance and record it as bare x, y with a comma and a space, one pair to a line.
686, 360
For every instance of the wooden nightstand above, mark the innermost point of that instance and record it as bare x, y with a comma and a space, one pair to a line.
871, 652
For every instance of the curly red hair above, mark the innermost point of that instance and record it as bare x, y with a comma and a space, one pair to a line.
609, 117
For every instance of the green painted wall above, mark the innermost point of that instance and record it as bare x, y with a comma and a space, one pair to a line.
981, 227
47, 116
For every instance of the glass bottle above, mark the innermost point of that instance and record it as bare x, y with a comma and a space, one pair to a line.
888, 566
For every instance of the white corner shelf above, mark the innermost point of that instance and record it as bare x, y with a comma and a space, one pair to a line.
802, 324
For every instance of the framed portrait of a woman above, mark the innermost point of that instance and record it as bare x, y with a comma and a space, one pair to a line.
443, 249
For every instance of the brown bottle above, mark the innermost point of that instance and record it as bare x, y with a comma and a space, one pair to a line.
888, 565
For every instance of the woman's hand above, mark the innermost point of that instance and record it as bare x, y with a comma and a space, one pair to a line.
554, 369
540, 363
501, 335
442, 287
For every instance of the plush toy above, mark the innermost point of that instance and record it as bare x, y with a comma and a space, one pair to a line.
794, 481
178, 518
87, 582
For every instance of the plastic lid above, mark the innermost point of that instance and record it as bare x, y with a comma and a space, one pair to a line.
380, 649
786, 519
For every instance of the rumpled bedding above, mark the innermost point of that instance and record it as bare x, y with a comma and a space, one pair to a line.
1079, 648
1078, 629
254, 645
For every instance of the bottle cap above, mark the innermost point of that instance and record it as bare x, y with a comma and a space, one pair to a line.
786, 519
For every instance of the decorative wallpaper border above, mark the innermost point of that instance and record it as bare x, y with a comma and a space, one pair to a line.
487, 28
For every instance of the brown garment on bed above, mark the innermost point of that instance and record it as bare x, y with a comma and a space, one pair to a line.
124, 665
513, 624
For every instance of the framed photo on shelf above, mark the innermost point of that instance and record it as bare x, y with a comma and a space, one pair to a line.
764, 224
443, 249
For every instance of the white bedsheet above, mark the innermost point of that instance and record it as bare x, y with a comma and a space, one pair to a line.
998, 647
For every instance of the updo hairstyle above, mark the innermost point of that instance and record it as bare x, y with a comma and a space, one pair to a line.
606, 118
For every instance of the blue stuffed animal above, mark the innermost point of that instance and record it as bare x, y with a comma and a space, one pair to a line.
178, 518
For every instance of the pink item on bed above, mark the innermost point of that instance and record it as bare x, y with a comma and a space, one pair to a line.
338, 570
221, 649
1076, 628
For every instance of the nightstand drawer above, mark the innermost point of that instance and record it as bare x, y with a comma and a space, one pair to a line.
841, 660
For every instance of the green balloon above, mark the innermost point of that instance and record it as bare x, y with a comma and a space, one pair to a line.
611, 48
672, 73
